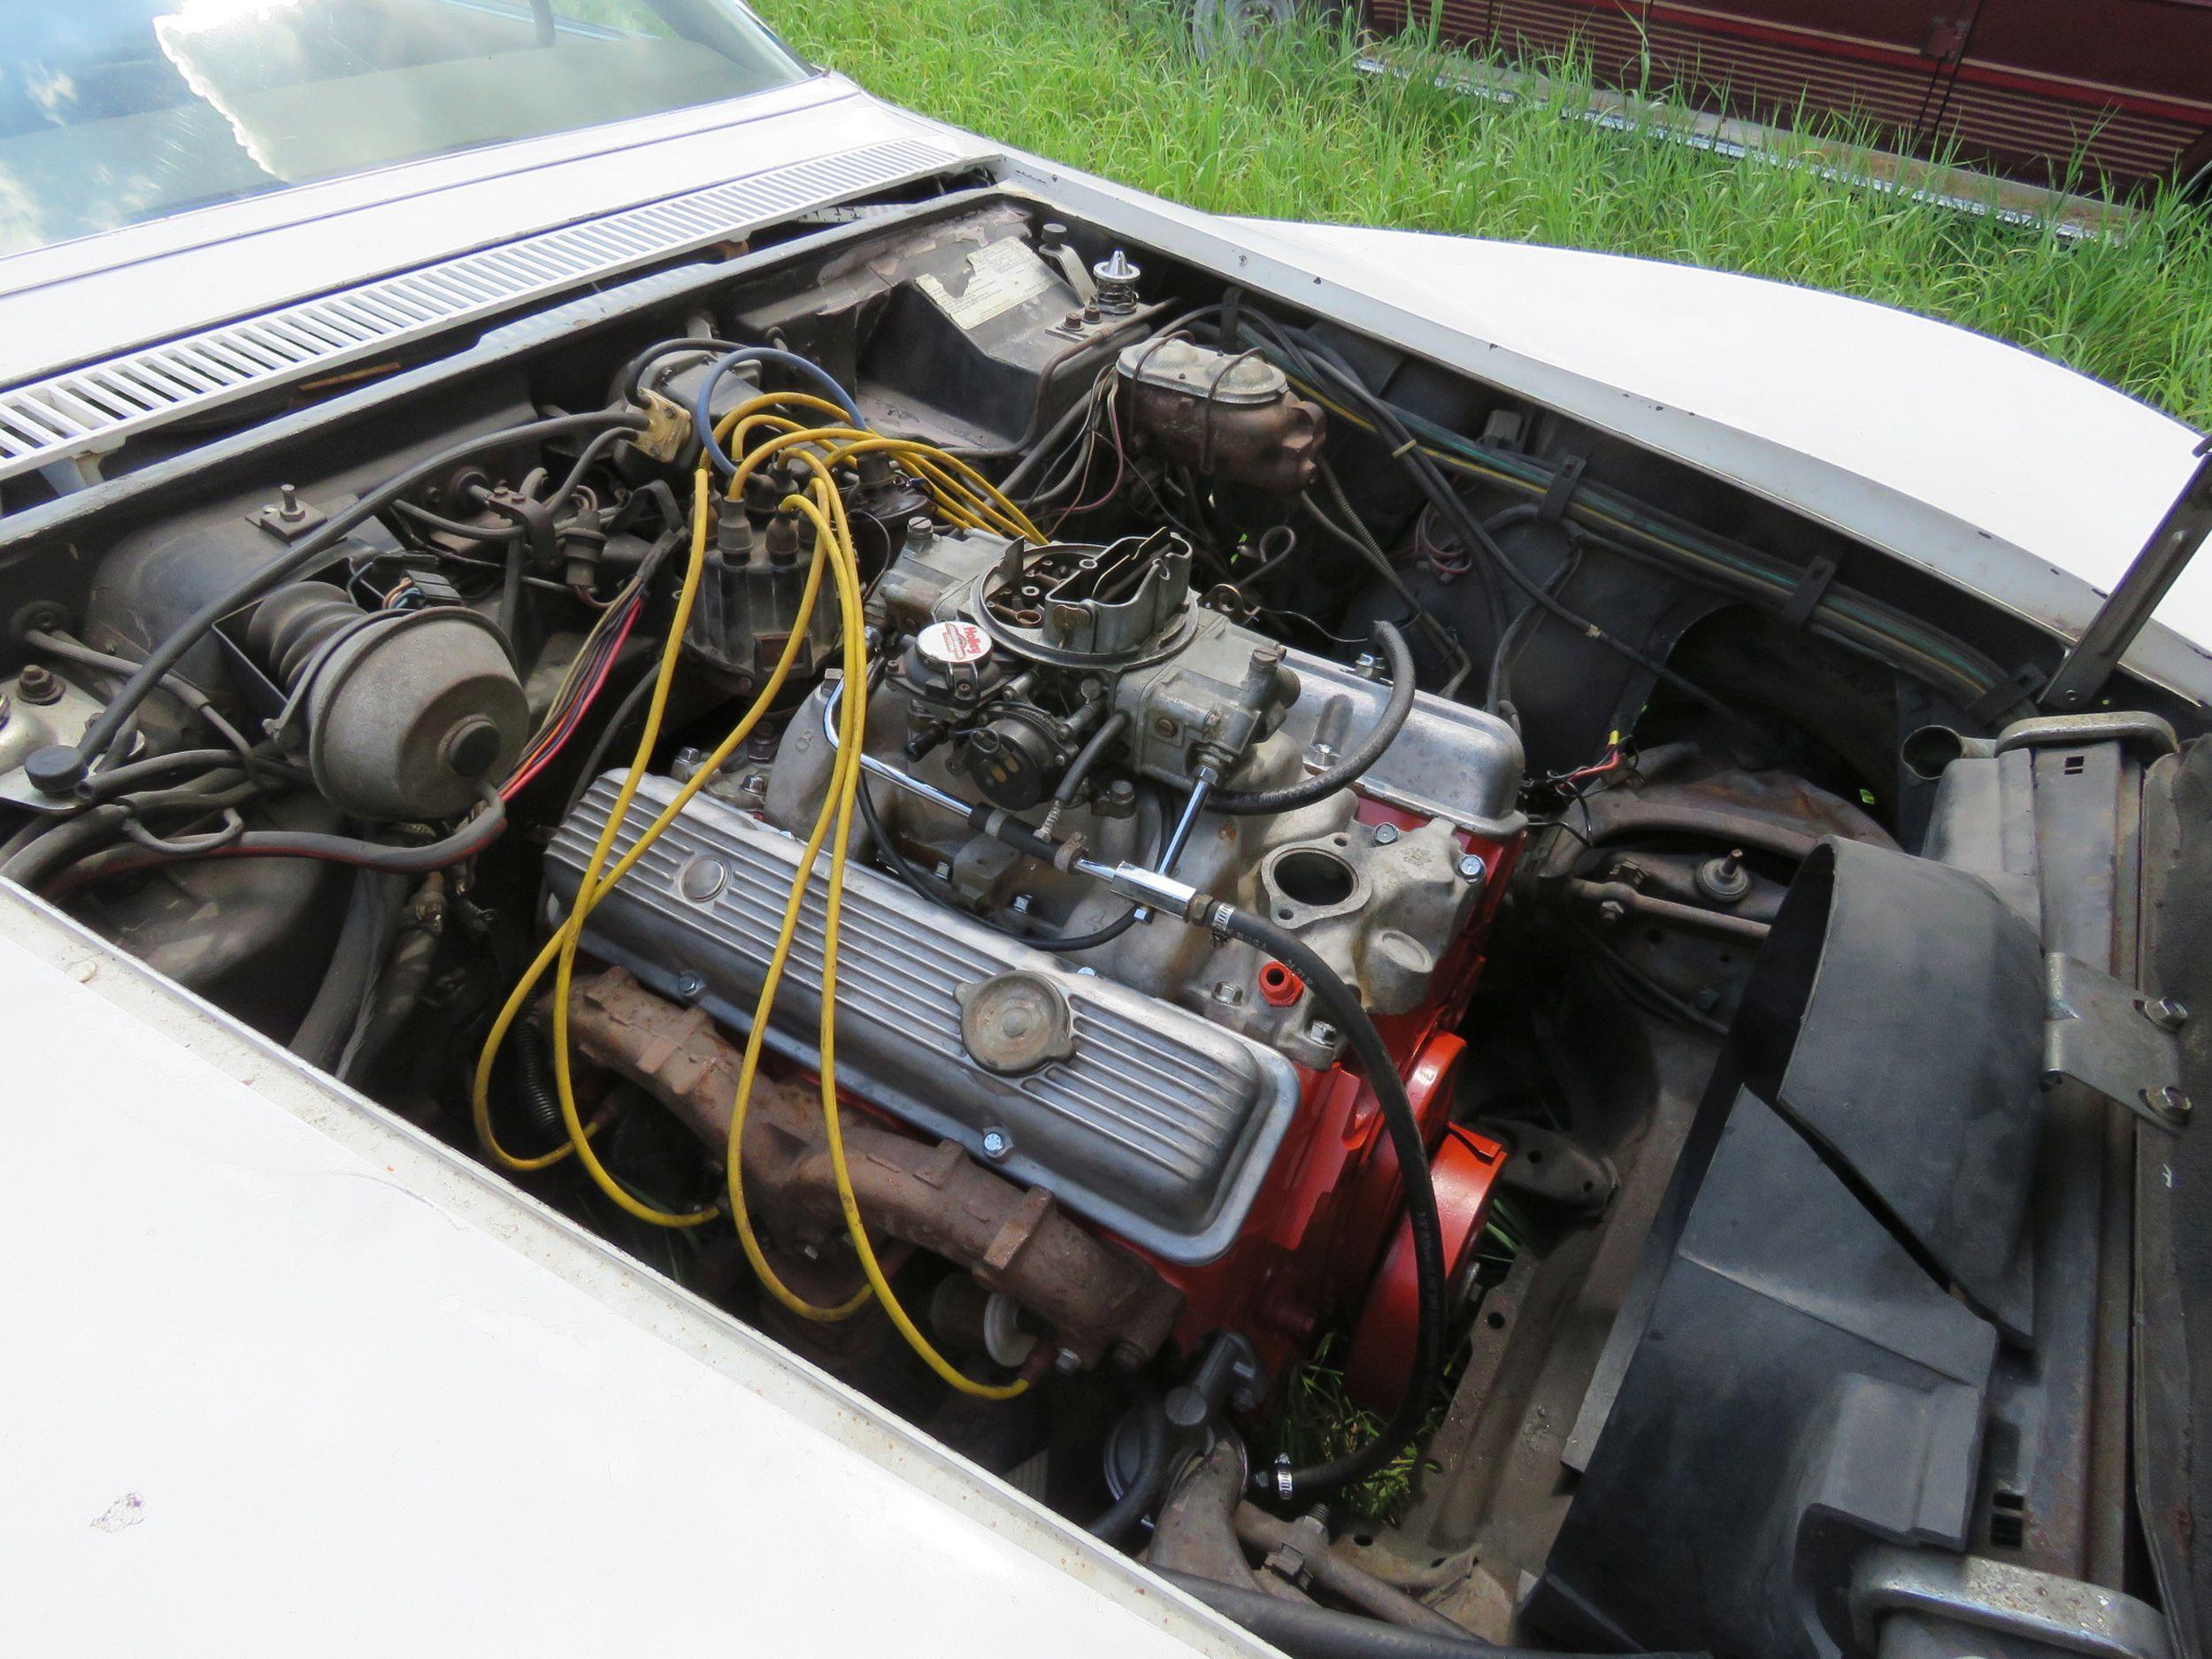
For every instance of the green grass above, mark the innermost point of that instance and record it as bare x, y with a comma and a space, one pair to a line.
1295, 131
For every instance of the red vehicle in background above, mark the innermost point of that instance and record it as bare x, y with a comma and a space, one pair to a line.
2113, 97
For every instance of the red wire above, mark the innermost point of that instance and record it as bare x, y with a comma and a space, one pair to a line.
538, 759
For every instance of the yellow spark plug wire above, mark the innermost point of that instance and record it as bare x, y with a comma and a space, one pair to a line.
948, 480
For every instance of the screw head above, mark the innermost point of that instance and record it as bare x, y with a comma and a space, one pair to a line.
2164, 1012
1386, 833
1611, 911
691, 984
37, 683
998, 1146
2172, 1104
1322, 1032
1471, 867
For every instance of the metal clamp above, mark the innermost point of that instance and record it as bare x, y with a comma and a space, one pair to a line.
2114, 1040
2150, 732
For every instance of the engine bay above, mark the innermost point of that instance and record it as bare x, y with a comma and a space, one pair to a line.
1381, 996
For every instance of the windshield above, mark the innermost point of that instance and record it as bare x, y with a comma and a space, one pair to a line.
113, 111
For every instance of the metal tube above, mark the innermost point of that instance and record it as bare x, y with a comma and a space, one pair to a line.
884, 769
1202, 786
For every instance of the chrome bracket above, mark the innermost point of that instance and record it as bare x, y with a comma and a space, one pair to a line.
1997, 1596
2113, 1039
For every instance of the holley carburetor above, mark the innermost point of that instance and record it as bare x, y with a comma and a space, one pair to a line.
1063, 644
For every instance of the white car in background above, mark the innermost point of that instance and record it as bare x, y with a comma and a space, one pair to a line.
1708, 774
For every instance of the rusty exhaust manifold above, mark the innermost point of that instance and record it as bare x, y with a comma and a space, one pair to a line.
1097, 1297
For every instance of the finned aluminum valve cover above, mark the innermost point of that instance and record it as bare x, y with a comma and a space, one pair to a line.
1151, 1122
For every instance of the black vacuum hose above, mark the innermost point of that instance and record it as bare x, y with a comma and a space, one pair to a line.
1357, 760
372, 910
1281, 1484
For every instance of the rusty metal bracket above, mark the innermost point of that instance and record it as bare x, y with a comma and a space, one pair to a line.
2114, 1040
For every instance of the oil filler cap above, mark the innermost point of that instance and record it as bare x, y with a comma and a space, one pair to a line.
1013, 1023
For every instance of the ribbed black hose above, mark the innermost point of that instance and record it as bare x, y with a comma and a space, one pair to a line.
1406, 1140
1355, 761
303, 555
1144, 1485
533, 1082
1307, 1631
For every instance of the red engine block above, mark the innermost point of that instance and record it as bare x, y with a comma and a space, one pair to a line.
1316, 1242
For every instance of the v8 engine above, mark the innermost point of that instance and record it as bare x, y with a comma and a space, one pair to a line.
1180, 1087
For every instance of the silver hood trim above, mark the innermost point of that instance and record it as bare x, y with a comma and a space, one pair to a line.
91, 410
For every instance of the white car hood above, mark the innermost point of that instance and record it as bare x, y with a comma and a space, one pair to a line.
95, 297
2061, 466
284, 1376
